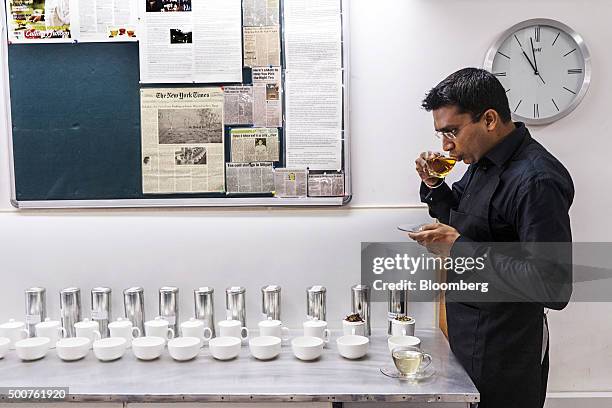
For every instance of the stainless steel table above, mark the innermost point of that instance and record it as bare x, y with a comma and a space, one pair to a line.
331, 378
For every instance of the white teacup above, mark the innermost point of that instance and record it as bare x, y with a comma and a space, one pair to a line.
307, 348
273, 328
33, 348
224, 348
88, 328
402, 328
352, 346
233, 328
317, 328
403, 341
122, 327
51, 329
14, 331
73, 348
196, 328
353, 328
159, 328
265, 347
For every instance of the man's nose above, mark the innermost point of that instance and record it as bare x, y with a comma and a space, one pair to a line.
447, 145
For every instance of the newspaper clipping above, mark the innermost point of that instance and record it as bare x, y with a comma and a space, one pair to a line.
290, 183
250, 177
261, 46
238, 105
326, 185
184, 42
254, 145
267, 97
182, 140
39, 20
257, 13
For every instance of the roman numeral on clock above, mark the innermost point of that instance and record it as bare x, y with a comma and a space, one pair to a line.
499, 74
537, 34
574, 71
536, 110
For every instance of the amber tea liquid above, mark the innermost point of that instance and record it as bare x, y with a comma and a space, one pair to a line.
440, 166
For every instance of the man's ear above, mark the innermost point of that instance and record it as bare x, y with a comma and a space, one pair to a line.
491, 119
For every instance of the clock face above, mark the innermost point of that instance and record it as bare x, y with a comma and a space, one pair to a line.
544, 70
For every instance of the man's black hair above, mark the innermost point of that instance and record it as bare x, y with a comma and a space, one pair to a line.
471, 90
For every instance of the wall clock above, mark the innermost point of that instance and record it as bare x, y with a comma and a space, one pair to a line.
545, 67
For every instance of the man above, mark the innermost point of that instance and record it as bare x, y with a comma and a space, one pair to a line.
514, 191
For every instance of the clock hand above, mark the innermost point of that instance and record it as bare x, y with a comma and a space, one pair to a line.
534, 57
535, 71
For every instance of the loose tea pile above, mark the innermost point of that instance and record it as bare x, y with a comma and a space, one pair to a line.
403, 318
355, 317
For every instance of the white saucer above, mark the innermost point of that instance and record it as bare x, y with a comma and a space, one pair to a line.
410, 227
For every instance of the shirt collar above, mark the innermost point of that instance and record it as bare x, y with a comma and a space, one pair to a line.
503, 151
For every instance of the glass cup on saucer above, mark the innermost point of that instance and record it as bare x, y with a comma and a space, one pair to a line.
410, 361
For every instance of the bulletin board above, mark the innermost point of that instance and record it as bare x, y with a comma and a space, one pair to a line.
75, 130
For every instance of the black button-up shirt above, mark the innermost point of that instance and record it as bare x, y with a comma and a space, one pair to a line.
529, 204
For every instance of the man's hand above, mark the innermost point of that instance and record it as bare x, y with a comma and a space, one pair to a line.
423, 170
437, 238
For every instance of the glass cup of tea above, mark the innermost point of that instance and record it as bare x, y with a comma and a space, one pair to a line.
410, 360
439, 166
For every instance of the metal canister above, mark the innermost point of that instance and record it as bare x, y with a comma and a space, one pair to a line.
316, 302
169, 306
360, 303
35, 308
271, 302
235, 304
70, 309
133, 304
101, 308
203, 298
398, 305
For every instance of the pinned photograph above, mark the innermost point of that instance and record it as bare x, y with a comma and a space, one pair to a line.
154, 6
190, 156
178, 36
183, 126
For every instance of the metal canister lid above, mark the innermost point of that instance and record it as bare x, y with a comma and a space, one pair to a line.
316, 289
271, 288
133, 289
35, 290
235, 289
71, 290
204, 290
101, 289
168, 289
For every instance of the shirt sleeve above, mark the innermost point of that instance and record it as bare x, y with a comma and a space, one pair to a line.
441, 199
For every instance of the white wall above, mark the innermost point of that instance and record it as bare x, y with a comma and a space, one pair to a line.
399, 49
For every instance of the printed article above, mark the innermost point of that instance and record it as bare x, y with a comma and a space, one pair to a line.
250, 177
185, 42
107, 20
326, 185
182, 140
313, 119
254, 145
261, 46
238, 105
258, 13
313, 84
290, 183
267, 97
